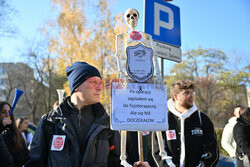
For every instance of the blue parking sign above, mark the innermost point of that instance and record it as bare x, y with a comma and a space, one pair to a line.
162, 21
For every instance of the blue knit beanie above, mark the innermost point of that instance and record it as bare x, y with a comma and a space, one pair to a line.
79, 72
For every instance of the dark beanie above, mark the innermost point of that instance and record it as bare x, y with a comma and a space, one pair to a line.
79, 72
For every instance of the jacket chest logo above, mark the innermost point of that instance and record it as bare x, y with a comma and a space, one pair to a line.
58, 142
197, 132
171, 135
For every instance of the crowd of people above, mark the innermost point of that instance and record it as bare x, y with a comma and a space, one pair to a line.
76, 133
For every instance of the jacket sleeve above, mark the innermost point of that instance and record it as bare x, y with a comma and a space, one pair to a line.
227, 140
8, 134
114, 155
240, 134
211, 149
39, 147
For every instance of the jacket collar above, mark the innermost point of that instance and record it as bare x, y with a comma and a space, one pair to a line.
243, 122
183, 115
62, 111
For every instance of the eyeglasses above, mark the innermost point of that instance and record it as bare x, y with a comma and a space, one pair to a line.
187, 93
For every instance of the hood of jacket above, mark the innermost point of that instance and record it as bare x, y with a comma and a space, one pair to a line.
232, 121
101, 116
185, 114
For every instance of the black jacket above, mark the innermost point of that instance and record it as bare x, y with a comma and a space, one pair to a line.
19, 157
5, 158
198, 135
101, 148
242, 138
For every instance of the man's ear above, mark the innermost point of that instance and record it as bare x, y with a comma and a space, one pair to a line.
174, 95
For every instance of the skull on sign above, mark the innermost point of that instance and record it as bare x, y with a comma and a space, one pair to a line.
131, 17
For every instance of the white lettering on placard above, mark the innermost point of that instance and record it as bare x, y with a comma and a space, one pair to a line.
159, 23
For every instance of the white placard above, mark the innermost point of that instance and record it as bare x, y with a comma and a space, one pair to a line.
139, 107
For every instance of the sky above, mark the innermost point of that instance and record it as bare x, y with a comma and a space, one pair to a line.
222, 24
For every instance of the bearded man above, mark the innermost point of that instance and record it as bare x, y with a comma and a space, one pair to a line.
190, 139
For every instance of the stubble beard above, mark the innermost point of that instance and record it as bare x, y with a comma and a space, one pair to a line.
187, 105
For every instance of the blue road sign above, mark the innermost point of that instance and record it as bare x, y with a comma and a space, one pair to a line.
162, 21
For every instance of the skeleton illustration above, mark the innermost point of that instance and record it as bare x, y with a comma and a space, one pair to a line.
132, 38
123, 41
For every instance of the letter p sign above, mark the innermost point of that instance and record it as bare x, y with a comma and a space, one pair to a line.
162, 22
158, 23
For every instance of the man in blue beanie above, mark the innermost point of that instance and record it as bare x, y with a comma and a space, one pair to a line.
77, 133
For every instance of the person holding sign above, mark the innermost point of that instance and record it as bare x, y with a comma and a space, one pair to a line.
190, 139
77, 133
